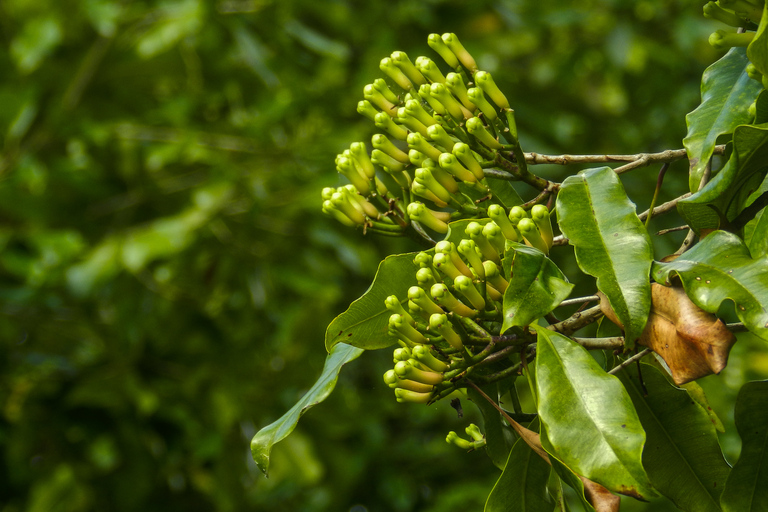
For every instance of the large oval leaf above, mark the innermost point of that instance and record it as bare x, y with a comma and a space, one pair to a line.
747, 487
589, 418
364, 324
262, 442
726, 94
720, 268
611, 243
757, 51
730, 189
536, 286
682, 454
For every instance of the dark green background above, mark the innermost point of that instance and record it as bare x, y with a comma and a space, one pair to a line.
166, 275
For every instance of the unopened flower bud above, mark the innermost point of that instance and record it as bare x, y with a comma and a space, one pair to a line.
420, 213
327, 192
410, 122
425, 278
474, 432
393, 304
484, 80
439, 136
381, 85
465, 155
722, 40
385, 122
414, 109
453, 438
370, 93
445, 265
418, 142
405, 370
749, 9
492, 232
499, 216
424, 176
426, 96
393, 72
330, 209
413, 397
421, 190
476, 128
714, 12
440, 324
452, 42
382, 143
379, 157
516, 214
423, 260
531, 234
469, 250
451, 164
416, 157
477, 97
350, 171
441, 93
467, 288
341, 202
400, 325
455, 83
424, 355
540, 216
436, 43
420, 298
365, 108
360, 202
360, 156
475, 232
449, 248
494, 277
402, 354
401, 60
445, 298
429, 69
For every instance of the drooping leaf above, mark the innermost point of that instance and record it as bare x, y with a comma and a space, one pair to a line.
757, 51
746, 489
697, 393
720, 268
262, 442
522, 484
590, 420
611, 243
726, 94
536, 286
729, 190
496, 444
364, 323
682, 454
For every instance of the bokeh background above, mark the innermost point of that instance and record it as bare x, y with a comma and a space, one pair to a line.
166, 275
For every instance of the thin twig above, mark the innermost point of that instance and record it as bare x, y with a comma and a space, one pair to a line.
612, 343
669, 155
665, 207
579, 300
631, 360
577, 321
672, 230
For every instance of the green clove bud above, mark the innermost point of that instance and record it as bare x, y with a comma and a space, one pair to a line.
452, 42
402, 354
337, 214
714, 12
420, 213
423, 260
424, 176
445, 265
499, 216
492, 232
441, 93
516, 214
370, 93
445, 298
475, 232
424, 355
418, 142
413, 397
484, 80
379, 157
474, 432
749, 9
416, 157
471, 253
405, 370
350, 171
410, 122
400, 325
436, 43
425, 278
421, 299
477, 97
467, 288
451, 164
532, 236
381, 85
360, 202
465, 155
382, 143
384, 122
494, 277
414, 109
439, 323
540, 216
449, 248
455, 83
401, 60
722, 40
365, 108
453, 438
476, 128
392, 303
341, 203
429, 69
439, 136
426, 96
393, 72
362, 160
421, 190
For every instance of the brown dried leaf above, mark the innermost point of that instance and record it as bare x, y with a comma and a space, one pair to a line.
601, 498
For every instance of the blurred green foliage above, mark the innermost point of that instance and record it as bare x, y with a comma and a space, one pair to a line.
166, 275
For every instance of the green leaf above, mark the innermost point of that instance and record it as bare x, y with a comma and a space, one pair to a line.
457, 230
364, 324
567, 475
504, 192
726, 94
523, 483
496, 444
591, 423
262, 442
720, 268
536, 287
611, 243
747, 486
682, 454
729, 190
757, 51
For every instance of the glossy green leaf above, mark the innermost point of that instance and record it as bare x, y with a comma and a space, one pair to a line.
495, 439
262, 442
611, 243
567, 475
746, 489
726, 94
590, 420
504, 192
364, 324
523, 483
536, 286
720, 268
757, 51
682, 454
731, 187
756, 230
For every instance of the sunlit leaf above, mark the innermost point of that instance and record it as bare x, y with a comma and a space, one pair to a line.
590, 420
746, 489
611, 243
682, 454
721, 268
726, 93
267, 437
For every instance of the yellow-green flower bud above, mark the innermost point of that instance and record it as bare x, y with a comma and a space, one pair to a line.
494, 277
416, 310
348, 168
456, 85
423, 215
379, 157
418, 142
484, 80
393, 72
714, 12
474, 432
492, 232
384, 122
439, 136
471, 253
499, 216
476, 128
362, 160
445, 265
401, 60
390, 379
341, 203
475, 232
451, 164
360, 202
453, 438
722, 40
465, 155
337, 214
467, 288
370, 93
382, 143
531, 234
414, 109
423, 260
327, 192
477, 97
405, 370
445, 298
452, 42
424, 176
400, 325
410, 122
449, 248
540, 216
516, 214
393, 304
429, 69
749, 9
421, 190
436, 43
753, 73
381, 85
441, 93
416, 157
402, 354
412, 397
421, 299
425, 278
426, 96
424, 355
365, 108
439, 323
